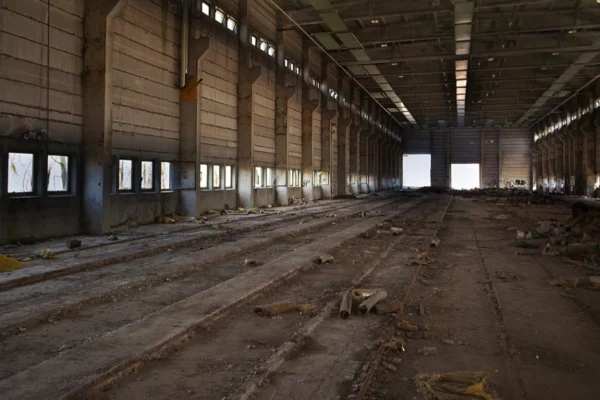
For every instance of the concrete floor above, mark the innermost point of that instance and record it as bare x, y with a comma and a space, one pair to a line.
168, 312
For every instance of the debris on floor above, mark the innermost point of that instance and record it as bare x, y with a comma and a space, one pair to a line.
47, 254
454, 385
428, 351
325, 258
370, 302
565, 282
346, 305
524, 245
8, 264
250, 262
272, 310
595, 281
407, 326
435, 242
73, 243
112, 238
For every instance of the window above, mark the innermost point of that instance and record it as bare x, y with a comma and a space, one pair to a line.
253, 40
205, 8
203, 176
297, 177
165, 175
125, 175
291, 66
231, 24
269, 180
297, 70
58, 173
219, 16
147, 175
216, 177
228, 180
258, 177
271, 51
286, 62
317, 178
20, 172
263, 45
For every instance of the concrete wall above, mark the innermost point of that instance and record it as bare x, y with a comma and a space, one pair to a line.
40, 90
44, 84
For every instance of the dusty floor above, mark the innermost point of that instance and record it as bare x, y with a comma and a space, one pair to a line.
167, 313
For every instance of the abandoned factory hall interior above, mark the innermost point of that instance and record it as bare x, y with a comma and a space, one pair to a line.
299, 199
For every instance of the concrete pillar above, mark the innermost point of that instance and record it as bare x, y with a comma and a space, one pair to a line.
190, 130
363, 173
328, 129
310, 102
247, 76
283, 94
97, 112
373, 161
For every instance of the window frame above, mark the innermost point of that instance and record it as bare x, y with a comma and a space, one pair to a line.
212, 175
69, 190
206, 185
132, 189
208, 5
34, 176
258, 172
269, 175
152, 179
170, 188
222, 12
230, 186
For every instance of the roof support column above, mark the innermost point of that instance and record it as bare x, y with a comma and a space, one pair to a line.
328, 131
97, 112
310, 102
247, 76
344, 121
190, 129
354, 142
283, 93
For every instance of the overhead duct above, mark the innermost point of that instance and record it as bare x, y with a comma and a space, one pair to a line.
339, 28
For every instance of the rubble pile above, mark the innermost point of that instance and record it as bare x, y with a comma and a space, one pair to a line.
578, 238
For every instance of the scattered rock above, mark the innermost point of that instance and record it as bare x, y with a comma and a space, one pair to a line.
428, 351
325, 258
389, 366
113, 238
595, 281
73, 243
47, 254
565, 282
407, 326
250, 262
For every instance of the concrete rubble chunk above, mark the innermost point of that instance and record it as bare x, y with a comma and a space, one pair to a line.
325, 259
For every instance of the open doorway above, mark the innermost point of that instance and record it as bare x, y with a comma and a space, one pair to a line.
465, 176
416, 170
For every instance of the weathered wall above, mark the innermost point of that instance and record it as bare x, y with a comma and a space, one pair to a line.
504, 155
40, 90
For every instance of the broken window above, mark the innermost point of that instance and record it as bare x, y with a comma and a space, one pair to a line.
219, 16
205, 8
317, 178
58, 173
216, 177
258, 177
269, 179
125, 175
147, 175
203, 176
228, 177
20, 172
231, 24
165, 175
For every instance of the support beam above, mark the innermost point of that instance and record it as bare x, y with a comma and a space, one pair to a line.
97, 112
310, 103
190, 132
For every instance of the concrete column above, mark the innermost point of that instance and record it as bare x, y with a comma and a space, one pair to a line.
343, 187
363, 174
373, 161
97, 112
190, 130
310, 102
247, 76
328, 130
283, 94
